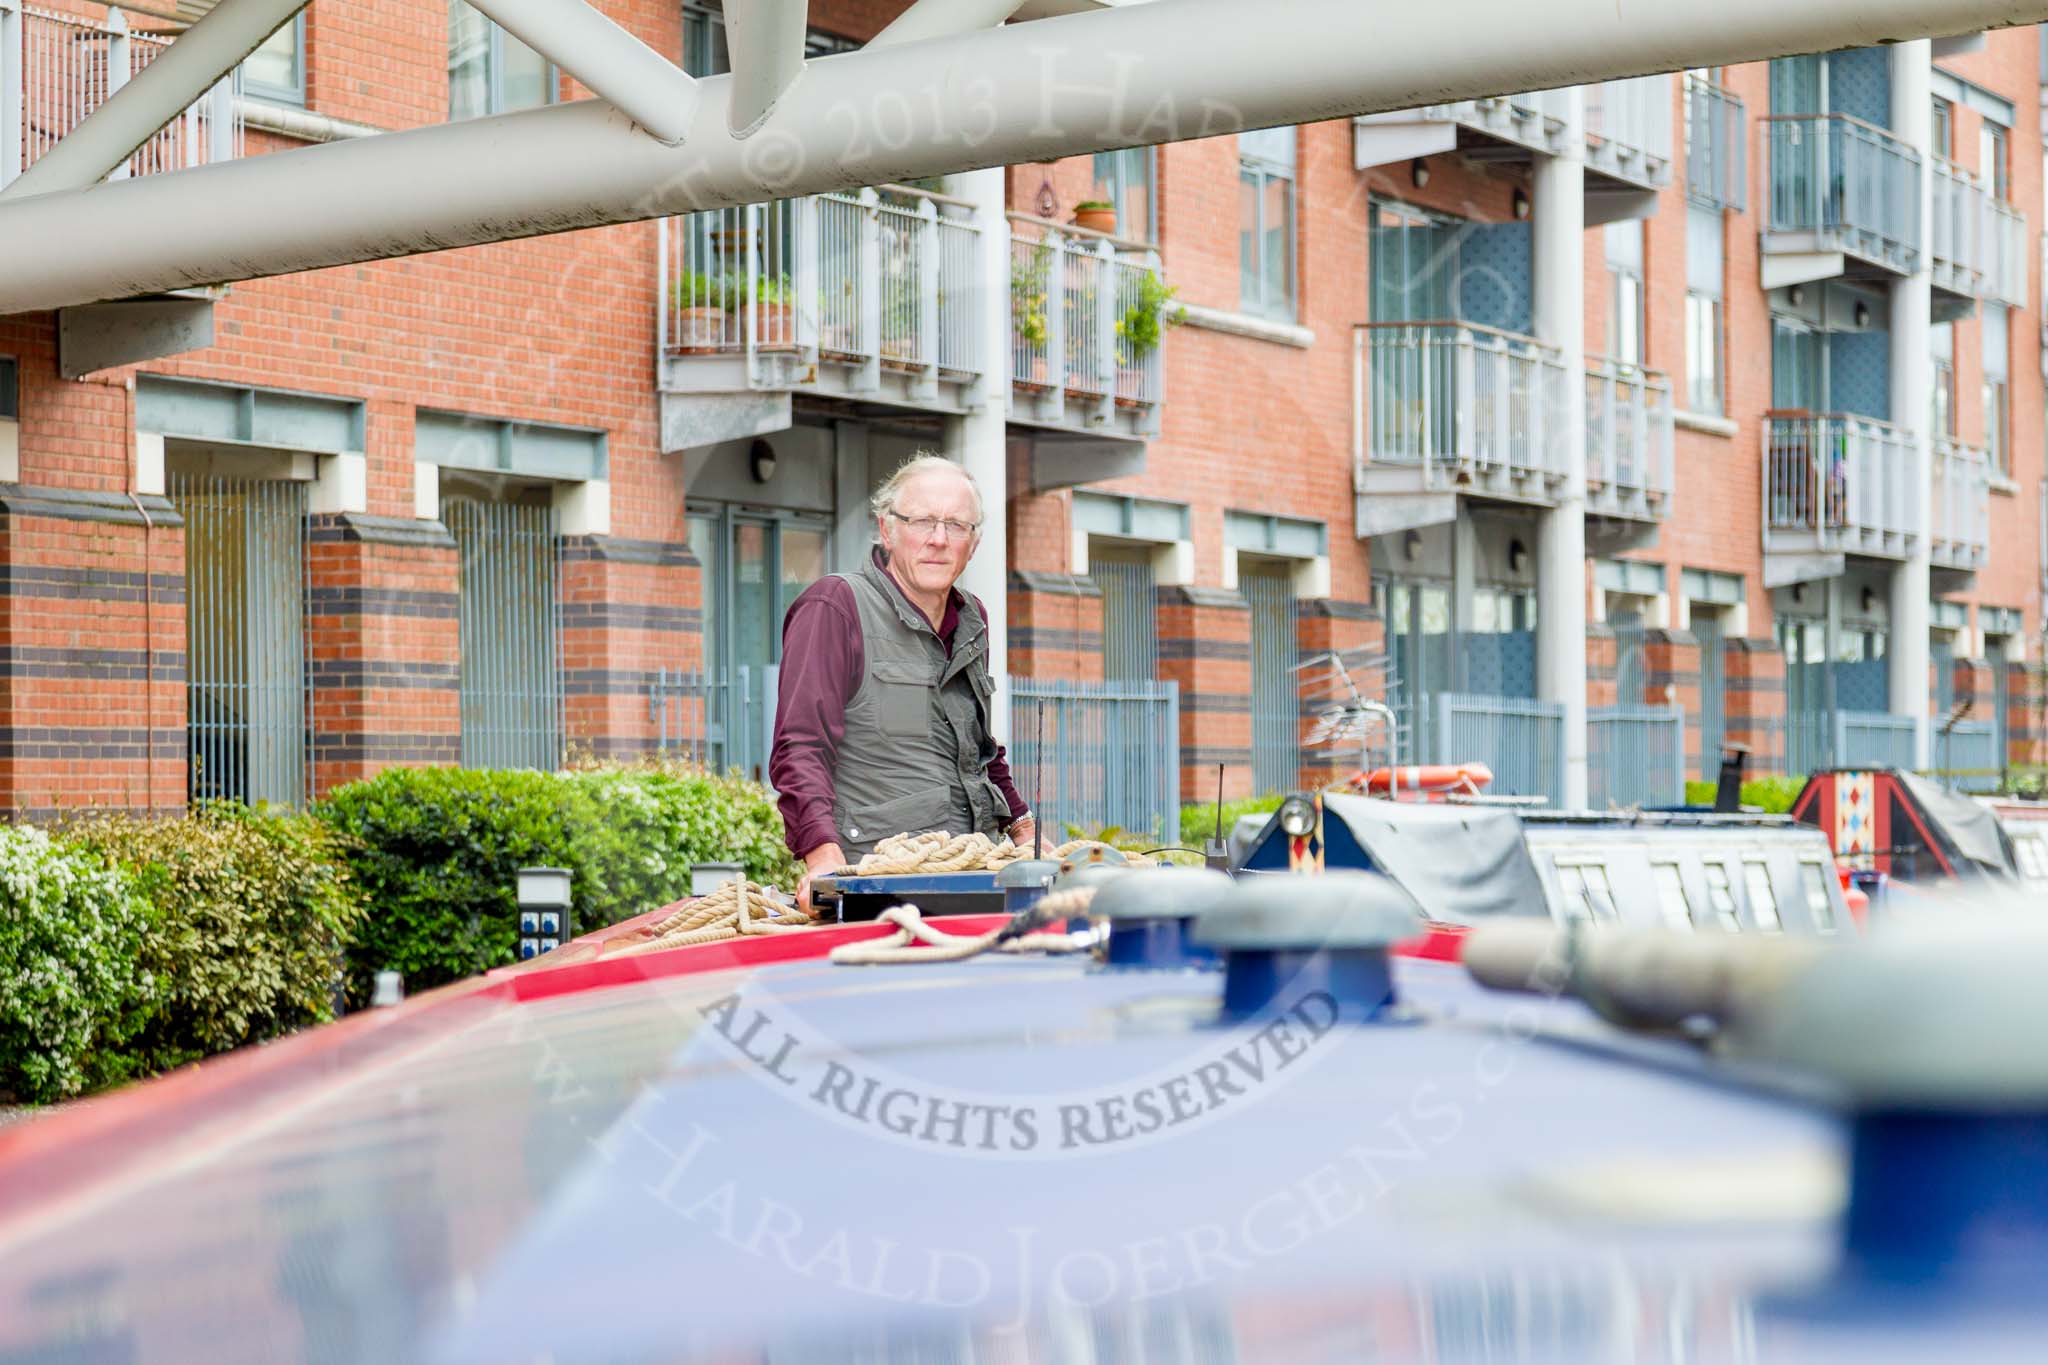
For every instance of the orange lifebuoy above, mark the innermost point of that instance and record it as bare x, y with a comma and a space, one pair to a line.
1435, 777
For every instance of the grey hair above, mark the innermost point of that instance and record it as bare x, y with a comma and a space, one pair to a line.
924, 462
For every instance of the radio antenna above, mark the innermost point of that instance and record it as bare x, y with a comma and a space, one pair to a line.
1038, 781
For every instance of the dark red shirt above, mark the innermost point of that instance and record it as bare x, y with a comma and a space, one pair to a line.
823, 661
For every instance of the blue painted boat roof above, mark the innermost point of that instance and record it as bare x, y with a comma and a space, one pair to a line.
646, 1172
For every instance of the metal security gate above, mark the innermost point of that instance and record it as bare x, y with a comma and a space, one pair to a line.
1706, 628
510, 662
246, 681
1276, 701
1130, 619
1090, 755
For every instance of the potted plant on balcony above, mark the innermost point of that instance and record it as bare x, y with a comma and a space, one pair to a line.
1096, 215
1145, 319
773, 316
1030, 320
702, 310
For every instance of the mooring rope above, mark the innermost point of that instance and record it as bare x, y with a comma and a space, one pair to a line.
916, 941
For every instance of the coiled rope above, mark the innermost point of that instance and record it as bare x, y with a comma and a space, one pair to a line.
735, 909
941, 851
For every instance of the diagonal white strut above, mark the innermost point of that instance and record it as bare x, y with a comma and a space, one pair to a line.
766, 40
623, 71
1122, 77
205, 53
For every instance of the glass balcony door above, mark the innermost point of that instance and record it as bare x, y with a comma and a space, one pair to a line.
756, 562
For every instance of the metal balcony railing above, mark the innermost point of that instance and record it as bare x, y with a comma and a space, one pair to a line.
1839, 184
888, 278
1629, 439
1534, 119
1458, 399
68, 64
1716, 157
1961, 520
1978, 245
1837, 482
1628, 130
1087, 318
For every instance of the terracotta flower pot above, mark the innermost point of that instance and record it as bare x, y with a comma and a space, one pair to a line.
777, 324
1096, 220
699, 329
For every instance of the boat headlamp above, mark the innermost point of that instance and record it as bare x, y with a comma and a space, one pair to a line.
1298, 816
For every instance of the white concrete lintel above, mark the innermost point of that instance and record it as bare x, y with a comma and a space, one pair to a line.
1783, 269
583, 508
341, 483
10, 450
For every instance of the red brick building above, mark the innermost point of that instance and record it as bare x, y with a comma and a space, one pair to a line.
1600, 413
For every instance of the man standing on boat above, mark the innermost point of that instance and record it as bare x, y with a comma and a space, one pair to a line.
882, 712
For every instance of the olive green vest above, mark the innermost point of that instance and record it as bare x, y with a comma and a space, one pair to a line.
917, 746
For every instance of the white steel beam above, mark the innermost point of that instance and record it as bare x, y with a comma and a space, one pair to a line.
1122, 77
202, 56
943, 19
766, 40
620, 69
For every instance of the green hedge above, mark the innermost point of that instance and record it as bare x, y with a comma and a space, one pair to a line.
1772, 795
71, 988
252, 914
436, 850
1198, 821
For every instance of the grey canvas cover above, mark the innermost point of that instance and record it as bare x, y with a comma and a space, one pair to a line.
1462, 864
1972, 828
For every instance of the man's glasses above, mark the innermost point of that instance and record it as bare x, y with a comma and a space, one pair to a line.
929, 526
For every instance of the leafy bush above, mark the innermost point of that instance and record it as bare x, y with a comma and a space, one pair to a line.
252, 913
436, 851
1771, 795
70, 984
1198, 821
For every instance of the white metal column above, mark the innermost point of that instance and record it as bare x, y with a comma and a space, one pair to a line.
1912, 377
1560, 317
979, 440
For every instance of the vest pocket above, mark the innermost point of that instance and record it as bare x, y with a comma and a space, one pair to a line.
903, 700
918, 813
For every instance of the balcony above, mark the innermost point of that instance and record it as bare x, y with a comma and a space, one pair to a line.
1085, 328
1716, 160
1510, 128
1441, 409
1979, 244
68, 65
1628, 147
1629, 437
874, 296
1834, 485
1845, 201
1960, 518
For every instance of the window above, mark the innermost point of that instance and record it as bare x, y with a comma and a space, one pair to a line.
277, 70
1703, 310
1587, 894
1130, 621
1671, 898
10, 392
1763, 903
1128, 181
1942, 133
1997, 391
1813, 879
490, 71
1721, 898
1943, 417
1994, 159
1625, 292
1265, 222
2031, 850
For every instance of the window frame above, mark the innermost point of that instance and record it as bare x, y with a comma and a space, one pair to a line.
1721, 895
294, 94
10, 389
1942, 420
1997, 391
1632, 273
1994, 159
1676, 882
1251, 288
494, 75
1819, 904
1582, 869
